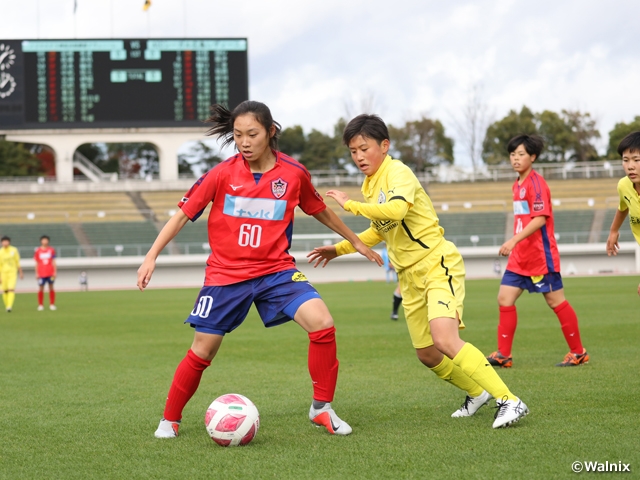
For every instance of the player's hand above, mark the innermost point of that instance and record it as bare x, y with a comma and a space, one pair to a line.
367, 252
145, 271
322, 255
639, 290
21, 276
506, 248
612, 243
338, 196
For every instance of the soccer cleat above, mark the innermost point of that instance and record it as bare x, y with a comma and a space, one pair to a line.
508, 412
40, 308
498, 360
167, 429
472, 404
326, 417
394, 316
8, 309
574, 359
52, 307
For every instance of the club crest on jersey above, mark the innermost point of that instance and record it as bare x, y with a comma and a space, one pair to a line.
279, 188
523, 192
382, 197
538, 206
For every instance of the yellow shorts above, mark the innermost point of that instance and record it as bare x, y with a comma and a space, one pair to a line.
8, 281
432, 288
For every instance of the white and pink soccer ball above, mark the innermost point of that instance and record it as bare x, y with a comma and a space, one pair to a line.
231, 420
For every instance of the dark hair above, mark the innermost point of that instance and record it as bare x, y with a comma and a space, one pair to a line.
45, 236
631, 142
4, 238
223, 120
369, 126
533, 144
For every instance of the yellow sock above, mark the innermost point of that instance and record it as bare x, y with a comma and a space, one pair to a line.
475, 365
450, 372
5, 299
11, 296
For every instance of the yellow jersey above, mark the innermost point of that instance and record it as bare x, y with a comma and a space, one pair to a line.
9, 259
401, 215
630, 199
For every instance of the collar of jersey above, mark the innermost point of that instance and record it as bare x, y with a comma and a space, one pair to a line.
369, 182
246, 164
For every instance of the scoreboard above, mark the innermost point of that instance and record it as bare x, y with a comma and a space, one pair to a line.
118, 83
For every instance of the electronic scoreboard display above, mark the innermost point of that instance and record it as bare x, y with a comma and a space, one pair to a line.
118, 83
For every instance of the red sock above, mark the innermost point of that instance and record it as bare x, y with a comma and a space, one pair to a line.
52, 297
40, 297
507, 329
569, 324
323, 364
184, 385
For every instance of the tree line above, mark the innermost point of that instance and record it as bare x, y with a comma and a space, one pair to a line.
569, 135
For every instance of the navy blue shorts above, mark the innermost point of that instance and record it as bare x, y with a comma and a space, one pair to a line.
277, 297
542, 284
43, 280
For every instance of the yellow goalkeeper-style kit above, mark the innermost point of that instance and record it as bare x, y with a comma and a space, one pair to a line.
430, 268
9, 265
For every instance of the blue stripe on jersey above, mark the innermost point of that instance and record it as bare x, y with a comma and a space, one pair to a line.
521, 207
295, 164
257, 208
289, 232
546, 245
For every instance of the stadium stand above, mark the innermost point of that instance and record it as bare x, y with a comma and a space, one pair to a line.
625, 230
68, 207
26, 237
474, 229
118, 223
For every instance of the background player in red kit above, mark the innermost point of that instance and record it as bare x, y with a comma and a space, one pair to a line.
46, 269
534, 262
253, 195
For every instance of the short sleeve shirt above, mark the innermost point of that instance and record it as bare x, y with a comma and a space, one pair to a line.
629, 199
250, 224
44, 261
538, 253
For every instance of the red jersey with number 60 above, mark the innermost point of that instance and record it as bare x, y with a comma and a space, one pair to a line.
251, 222
44, 261
538, 253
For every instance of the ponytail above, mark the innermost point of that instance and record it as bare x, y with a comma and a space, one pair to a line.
222, 121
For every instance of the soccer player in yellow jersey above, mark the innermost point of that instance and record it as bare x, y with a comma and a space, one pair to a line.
629, 192
430, 269
9, 269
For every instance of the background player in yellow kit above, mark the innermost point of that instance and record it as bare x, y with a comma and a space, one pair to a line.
430, 269
9, 269
629, 192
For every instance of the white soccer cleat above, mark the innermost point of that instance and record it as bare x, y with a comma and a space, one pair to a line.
472, 404
167, 429
52, 307
326, 417
40, 308
508, 412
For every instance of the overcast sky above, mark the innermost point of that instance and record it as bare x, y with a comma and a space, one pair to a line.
308, 59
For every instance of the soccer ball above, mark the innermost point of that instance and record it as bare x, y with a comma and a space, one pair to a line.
231, 420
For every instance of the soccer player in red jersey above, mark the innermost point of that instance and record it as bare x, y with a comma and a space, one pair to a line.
534, 262
46, 269
253, 196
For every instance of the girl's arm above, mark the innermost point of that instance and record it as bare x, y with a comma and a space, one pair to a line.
614, 232
168, 233
331, 220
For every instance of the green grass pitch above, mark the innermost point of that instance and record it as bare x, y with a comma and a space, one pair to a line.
83, 388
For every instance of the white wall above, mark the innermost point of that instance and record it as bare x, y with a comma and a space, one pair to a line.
188, 270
